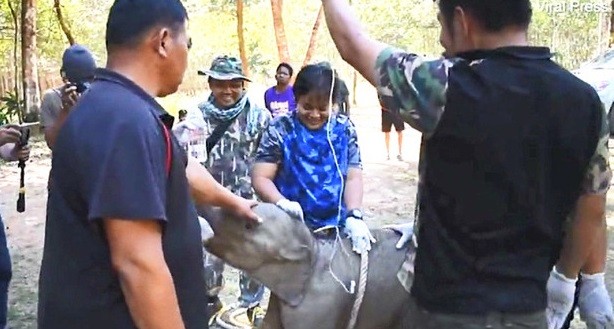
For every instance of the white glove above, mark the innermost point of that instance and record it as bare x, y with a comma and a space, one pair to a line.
406, 230
561, 291
292, 208
594, 302
359, 233
206, 232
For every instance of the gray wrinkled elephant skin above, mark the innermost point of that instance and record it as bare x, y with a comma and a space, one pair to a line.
283, 255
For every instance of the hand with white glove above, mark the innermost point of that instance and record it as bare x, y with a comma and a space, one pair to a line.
407, 233
561, 291
594, 302
292, 208
206, 232
359, 233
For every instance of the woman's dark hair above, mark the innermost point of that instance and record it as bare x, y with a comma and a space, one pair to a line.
287, 66
316, 78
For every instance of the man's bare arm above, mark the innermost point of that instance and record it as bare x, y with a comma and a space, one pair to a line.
147, 284
597, 258
354, 45
586, 228
206, 190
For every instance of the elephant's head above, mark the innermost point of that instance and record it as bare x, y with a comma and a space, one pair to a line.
279, 252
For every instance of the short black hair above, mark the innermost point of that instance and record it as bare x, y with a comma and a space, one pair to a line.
286, 65
183, 113
316, 78
494, 15
130, 19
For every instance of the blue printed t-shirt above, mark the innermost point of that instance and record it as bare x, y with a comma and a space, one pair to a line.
280, 103
307, 172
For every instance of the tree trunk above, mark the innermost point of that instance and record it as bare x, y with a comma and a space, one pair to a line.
611, 42
15, 58
28, 58
242, 51
280, 32
314, 37
63, 25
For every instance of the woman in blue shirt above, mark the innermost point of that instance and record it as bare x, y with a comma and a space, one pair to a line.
308, 163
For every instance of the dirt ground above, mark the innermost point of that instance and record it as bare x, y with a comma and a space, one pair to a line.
389, 197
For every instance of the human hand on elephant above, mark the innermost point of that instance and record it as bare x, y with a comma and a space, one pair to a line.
292, 208
406, 230
359, 233
242, 208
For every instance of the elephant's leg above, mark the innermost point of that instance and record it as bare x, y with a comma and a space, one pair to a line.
272, 319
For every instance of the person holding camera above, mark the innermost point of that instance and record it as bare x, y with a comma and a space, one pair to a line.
78, 66
11, 149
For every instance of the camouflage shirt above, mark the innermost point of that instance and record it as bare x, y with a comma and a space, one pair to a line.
231, 158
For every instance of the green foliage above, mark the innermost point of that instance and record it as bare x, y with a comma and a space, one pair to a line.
575, 35
10, 108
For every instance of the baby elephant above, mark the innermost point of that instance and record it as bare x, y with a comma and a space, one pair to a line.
300, 271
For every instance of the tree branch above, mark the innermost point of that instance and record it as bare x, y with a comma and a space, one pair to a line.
63, 25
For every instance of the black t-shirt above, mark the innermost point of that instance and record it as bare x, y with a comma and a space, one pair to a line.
500, 173
109, 161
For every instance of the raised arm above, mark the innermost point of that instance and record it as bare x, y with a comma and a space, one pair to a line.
409, 85
354, 45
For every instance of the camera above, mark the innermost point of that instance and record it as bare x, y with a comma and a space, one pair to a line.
25, 134
81, 86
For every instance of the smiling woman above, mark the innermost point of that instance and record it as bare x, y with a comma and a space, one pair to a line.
297, 157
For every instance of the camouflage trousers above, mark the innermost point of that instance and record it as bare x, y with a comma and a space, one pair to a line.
422, 319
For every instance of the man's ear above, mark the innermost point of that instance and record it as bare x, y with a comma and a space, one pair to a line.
160, 41
464, 23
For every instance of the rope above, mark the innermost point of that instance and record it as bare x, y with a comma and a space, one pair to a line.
362, 287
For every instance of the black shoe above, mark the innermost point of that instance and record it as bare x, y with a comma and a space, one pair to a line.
214, 305
255, 315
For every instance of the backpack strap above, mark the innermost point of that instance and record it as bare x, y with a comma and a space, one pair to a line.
169, 150
217, 134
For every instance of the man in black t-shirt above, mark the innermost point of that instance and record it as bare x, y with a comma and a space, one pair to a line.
512, 146
122, 242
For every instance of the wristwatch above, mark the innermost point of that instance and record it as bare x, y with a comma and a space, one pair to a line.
355, 213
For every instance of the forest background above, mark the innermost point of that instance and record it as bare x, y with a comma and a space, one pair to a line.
34, 33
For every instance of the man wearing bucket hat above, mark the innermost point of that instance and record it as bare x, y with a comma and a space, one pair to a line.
226, 130
78, 66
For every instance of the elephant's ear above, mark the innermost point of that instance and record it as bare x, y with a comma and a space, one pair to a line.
288, 278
